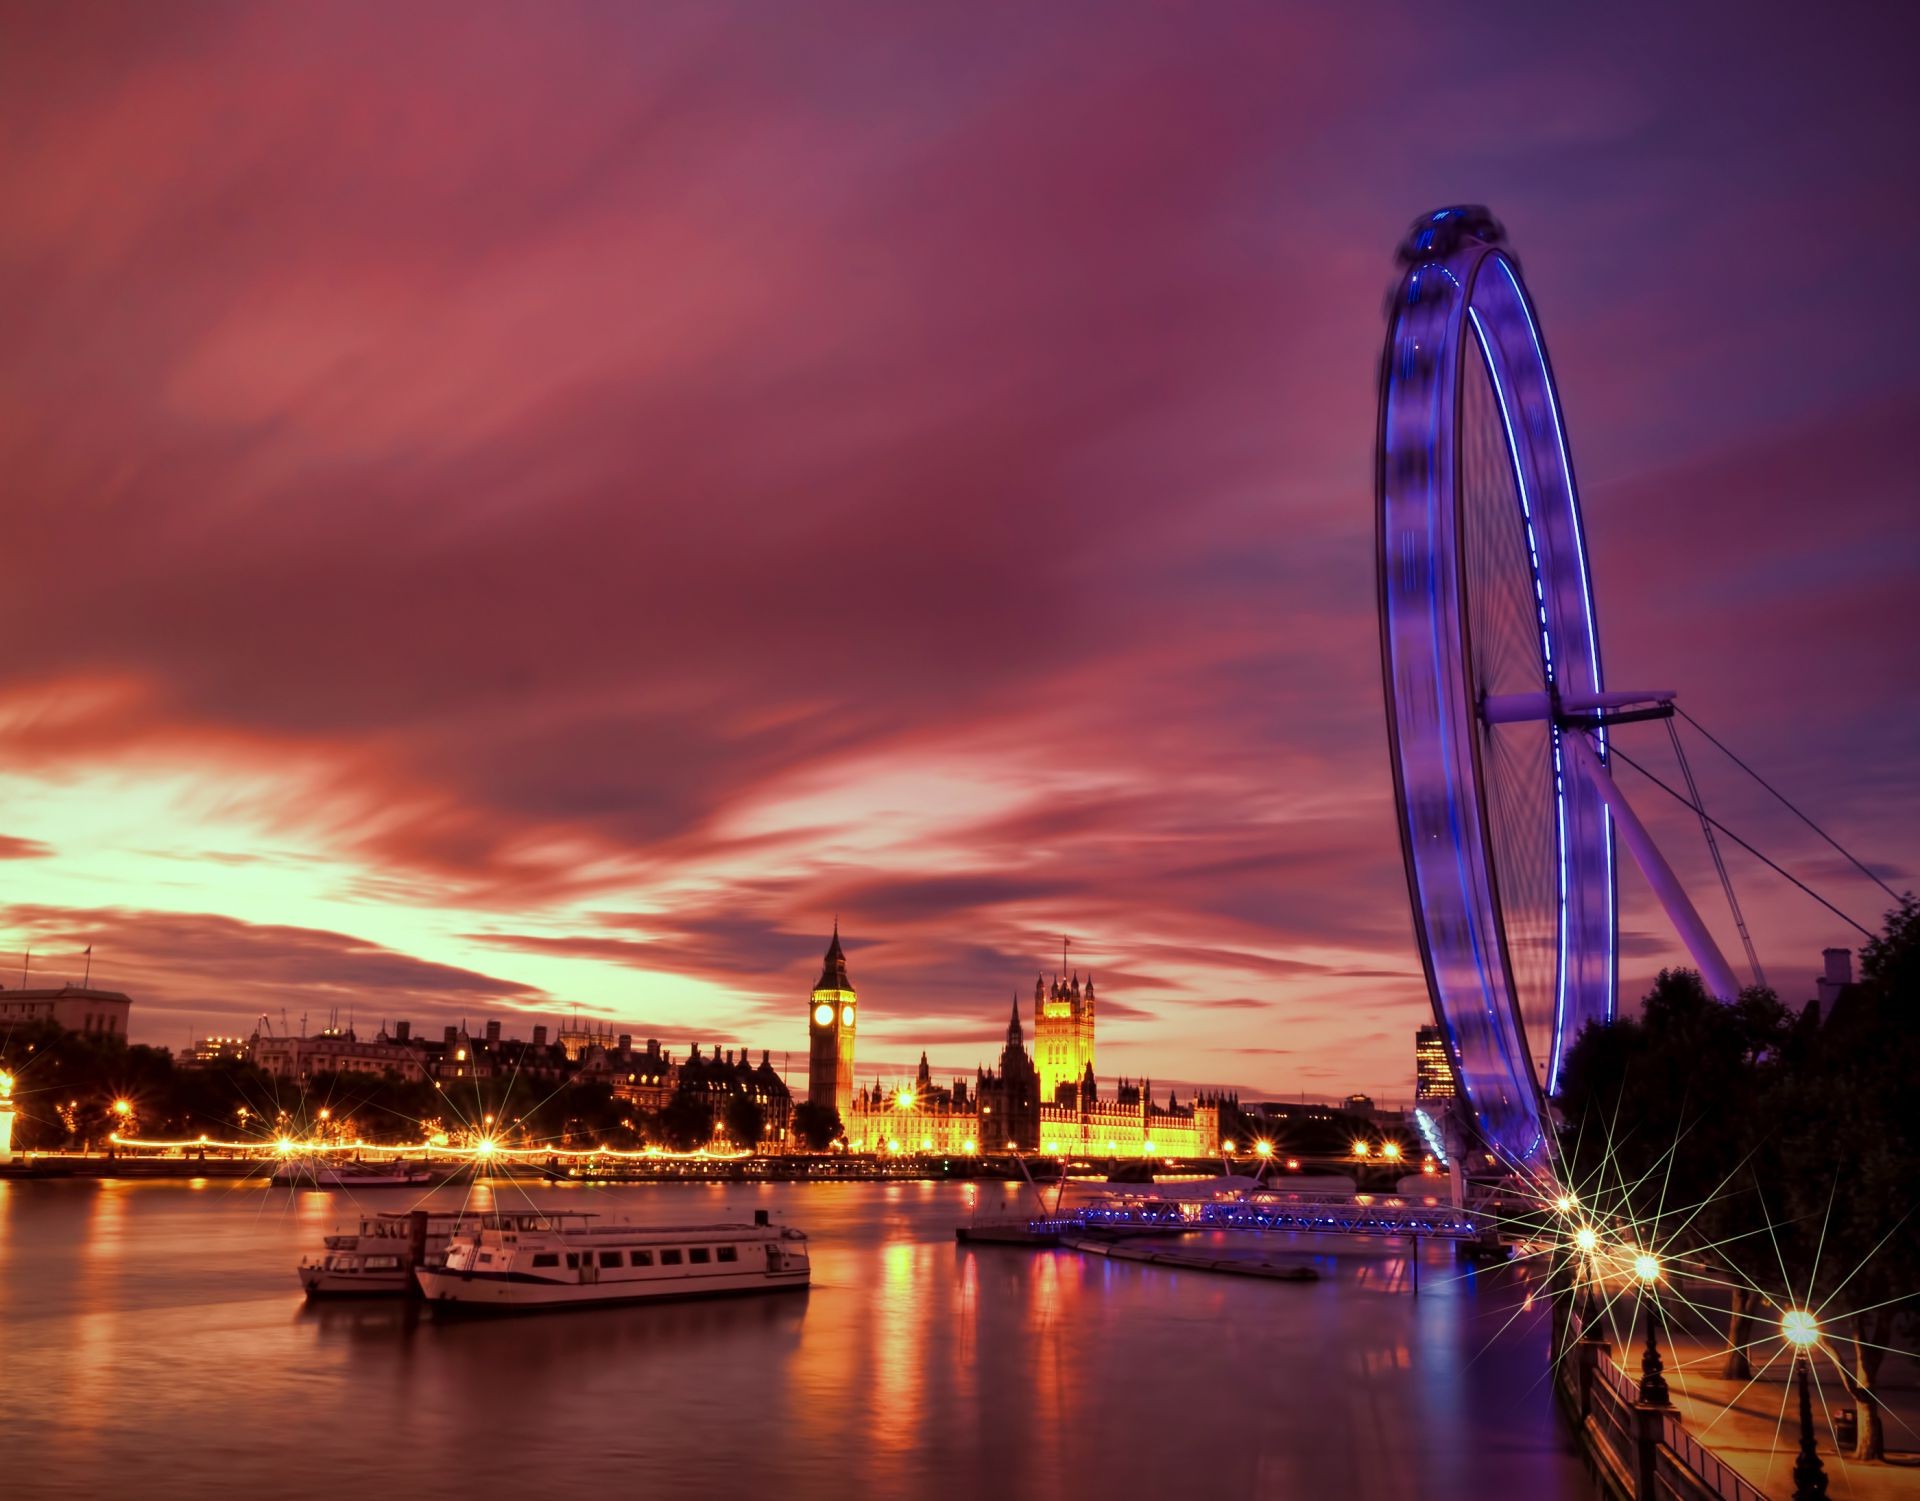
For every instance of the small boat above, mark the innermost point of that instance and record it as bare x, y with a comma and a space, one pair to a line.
319, 1172
505, 1270
378, 1259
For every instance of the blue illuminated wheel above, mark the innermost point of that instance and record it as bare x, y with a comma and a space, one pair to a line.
1491, 654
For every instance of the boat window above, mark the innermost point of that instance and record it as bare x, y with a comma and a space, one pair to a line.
573, 1259
699, 1256
546, 1258
382, 1263
610, 1258
669, 1258
727, 1253
643, 1258
486, 1258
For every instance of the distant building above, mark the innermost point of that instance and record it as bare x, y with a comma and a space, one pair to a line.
209, 1050
831, 1013
1432, 1069
77, 1008
1360, 1105
1007, 1108
337, 1051
1062, 1033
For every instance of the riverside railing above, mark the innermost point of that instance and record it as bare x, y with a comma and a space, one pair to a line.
1637, 1450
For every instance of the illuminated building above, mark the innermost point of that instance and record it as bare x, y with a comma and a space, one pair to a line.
209, 1050
77, 1008
1062, 1033
1432, 1069
336, 1051
1005, 1111
830, 1022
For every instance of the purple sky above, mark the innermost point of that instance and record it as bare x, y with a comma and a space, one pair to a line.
515, 508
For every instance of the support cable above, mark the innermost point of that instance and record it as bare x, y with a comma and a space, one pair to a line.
1788, 805
1614, 750
1713, 848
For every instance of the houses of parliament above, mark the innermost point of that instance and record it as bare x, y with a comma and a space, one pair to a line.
1046, 1101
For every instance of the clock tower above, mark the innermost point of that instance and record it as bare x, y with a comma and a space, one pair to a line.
830, 1033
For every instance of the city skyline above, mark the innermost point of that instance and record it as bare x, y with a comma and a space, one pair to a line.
568, 559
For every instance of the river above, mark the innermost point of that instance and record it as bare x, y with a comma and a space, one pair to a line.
154, 1343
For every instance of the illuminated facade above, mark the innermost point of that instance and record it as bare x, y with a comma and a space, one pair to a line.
831, 1014
1062, 1033
1432, 1071
1005, 1111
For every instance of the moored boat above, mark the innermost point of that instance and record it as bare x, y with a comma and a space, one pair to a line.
320, 1172
508, 1269
380, 1257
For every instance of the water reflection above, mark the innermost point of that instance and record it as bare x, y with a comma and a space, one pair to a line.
914, 1366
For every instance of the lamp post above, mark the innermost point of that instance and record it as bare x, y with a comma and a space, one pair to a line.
1653, 1385
1802, 1331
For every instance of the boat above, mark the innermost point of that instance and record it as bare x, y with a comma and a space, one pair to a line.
378, 1259
319, 1172
504, 1270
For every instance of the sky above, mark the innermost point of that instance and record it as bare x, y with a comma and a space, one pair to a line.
514, 510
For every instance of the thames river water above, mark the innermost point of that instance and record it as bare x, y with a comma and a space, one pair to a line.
154, 1343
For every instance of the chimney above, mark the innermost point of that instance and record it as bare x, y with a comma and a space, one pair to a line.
403, 1031
452, 1037
540, 1036
626, 1044
1838, 967
493, 1035
653, 1047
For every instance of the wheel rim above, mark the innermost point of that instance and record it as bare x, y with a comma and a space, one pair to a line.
1485, 590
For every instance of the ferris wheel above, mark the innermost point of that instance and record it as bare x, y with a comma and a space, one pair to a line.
1497, 711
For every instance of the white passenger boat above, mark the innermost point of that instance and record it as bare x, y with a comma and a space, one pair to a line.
378, 1259
502, 1269
321, 1172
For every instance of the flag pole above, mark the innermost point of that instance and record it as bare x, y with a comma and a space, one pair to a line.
88, 978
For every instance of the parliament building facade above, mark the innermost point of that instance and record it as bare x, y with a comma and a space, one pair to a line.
1047, 1101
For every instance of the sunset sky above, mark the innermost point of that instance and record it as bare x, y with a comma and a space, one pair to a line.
512, 508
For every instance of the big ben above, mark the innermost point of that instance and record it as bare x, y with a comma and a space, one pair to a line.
830, 1033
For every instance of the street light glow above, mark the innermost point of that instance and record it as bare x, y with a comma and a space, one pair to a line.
1564, 1203
1391, 1151
1646, 1266
1264, 1148
1586, 1238
1360, 1148
1800, 1327
123, 1108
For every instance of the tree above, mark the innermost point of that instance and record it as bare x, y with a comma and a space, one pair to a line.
1852, 1157
744, 1121
687, 1121
817, 1125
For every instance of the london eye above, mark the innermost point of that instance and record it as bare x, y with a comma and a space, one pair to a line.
1493, 680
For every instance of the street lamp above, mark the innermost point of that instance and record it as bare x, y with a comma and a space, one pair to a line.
1653, 1385
1802, 1330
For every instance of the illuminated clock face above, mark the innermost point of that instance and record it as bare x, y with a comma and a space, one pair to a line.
823, 1015
846, 1016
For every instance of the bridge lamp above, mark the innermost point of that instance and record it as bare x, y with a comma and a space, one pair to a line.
1293, 1164
1227, 1147
1360, 1148
484, 1147
926, 1143
969, 1146
1800, 1327
1391, 1151
1264, 1148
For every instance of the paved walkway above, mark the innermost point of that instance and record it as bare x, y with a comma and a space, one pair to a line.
1755, 1426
